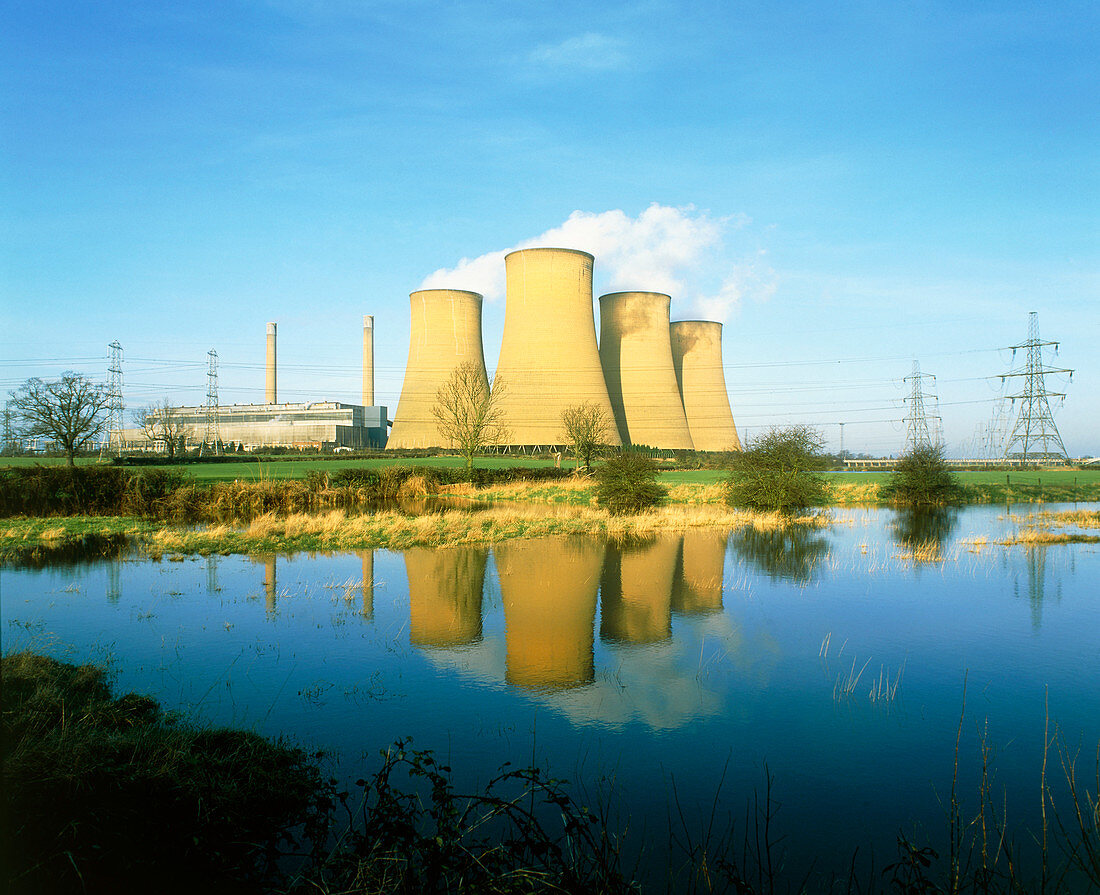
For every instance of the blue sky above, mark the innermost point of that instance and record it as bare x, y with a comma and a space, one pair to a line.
850, 186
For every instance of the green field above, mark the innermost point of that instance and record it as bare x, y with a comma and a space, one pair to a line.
999, 483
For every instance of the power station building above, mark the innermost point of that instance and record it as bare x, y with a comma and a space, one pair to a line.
318, 424
315, 424
660, 383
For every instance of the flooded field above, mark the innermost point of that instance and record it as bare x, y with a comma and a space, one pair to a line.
678, 671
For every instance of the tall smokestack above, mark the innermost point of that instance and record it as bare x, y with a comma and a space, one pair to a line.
270, 395
368, 360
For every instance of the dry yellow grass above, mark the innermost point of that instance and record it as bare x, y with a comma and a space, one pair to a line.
929, 551
336, 529
853, 492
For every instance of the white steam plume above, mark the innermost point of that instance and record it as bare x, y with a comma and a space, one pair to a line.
680, 251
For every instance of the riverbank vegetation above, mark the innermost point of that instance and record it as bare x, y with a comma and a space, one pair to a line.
38, 541
105, 793
922, 478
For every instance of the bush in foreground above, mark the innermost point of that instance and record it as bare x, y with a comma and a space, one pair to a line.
627, 483
779, 471
109, 794
922, 478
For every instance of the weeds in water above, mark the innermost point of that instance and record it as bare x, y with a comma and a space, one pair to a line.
883, 690
847, 682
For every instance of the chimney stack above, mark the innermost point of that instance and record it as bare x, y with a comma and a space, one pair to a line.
368, 360
270, 396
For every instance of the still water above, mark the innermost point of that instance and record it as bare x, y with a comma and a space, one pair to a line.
669, 670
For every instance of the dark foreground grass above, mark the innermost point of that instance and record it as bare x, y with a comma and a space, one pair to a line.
110, 794
105, 794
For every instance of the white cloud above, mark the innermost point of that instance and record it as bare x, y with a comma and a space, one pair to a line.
589, 51
677, 250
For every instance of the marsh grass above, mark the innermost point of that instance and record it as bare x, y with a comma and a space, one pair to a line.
340, 530
104, 793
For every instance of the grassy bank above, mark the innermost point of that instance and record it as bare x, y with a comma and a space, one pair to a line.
34, 541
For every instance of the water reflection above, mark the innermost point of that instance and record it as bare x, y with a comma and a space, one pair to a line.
923, 532
270, 583
792, 552
1036, 587
114, 580
697, 589
445, 588
548, 588
636, 590
367, 557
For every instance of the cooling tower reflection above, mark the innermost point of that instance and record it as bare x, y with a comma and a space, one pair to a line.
548, 587
636, 590
698, 584
445, 589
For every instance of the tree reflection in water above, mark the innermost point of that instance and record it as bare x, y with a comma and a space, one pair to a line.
791, 551
923, 532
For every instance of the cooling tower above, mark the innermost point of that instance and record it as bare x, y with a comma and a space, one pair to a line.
697, 357
636, 354
270, 396
368, 360
636, 590
445, 331
548, 354
548, 588
445, 595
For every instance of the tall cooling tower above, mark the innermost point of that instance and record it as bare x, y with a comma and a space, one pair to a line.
697, 357
445, 331
548, 354
636, 354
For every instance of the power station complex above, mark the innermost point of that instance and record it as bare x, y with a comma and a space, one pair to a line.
661, 383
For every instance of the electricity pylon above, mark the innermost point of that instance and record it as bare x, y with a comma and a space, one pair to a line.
211, 436
114, 398
1035, 436
917, 433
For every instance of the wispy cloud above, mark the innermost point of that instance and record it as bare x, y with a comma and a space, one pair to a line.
589, 52
677, 250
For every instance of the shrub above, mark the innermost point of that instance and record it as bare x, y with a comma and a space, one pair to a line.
112, 794
627, 483
779, 471
921, 478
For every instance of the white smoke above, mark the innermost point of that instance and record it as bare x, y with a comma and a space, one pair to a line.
679, 251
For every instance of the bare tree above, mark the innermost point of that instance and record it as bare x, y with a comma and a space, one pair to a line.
70, 411
587, 427
467, 410
161, 421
